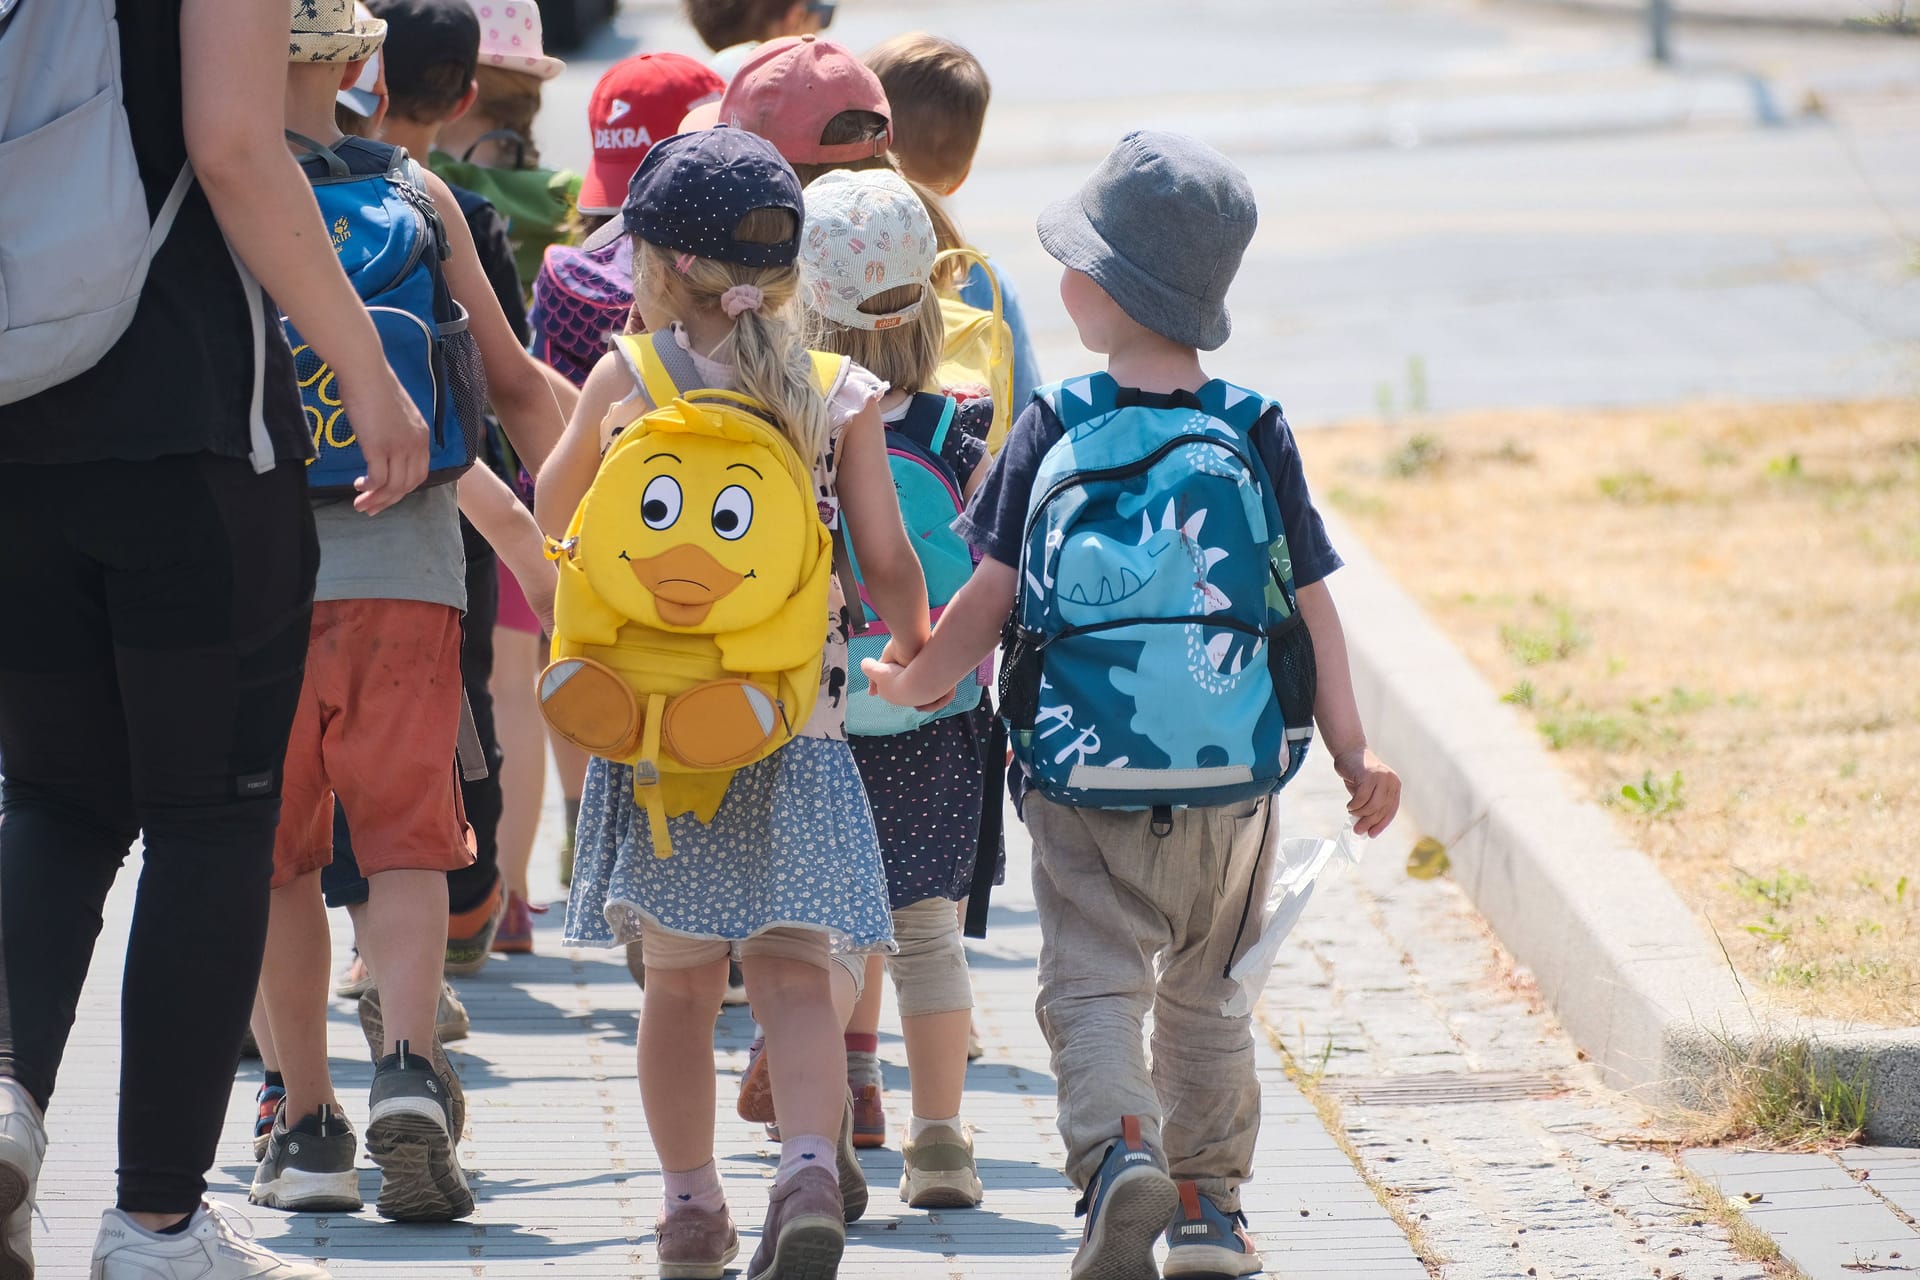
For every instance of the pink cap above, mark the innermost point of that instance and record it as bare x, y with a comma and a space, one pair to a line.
510, 38
792, 87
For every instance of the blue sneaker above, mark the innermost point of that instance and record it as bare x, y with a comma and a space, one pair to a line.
1127, 1205
1204, 1240
266, 1106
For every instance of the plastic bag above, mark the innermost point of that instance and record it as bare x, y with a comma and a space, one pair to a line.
1302, 862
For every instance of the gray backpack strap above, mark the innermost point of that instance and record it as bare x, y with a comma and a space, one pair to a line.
336, 167
677, 361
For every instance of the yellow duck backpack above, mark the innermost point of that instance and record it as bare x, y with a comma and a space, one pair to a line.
691, 614
977, 358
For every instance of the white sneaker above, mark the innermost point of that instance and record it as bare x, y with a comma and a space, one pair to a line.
210, 1249
23, 1145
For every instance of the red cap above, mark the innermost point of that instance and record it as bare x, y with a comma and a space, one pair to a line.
638, 102
791, 87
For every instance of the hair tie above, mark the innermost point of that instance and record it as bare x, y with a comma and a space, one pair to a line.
742, 297
684, 263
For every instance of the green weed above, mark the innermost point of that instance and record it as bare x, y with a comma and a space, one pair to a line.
1635, 488
1656, 797
1785, 1094
1581, 727
1787, 468
1521, 695
1778, 890
1531, 646
1359, 504
1421, 454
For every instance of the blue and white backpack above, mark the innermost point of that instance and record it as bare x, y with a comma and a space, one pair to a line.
930, 501
1156, 658
388, 235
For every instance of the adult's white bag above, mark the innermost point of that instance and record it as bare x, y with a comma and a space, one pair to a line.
75, 234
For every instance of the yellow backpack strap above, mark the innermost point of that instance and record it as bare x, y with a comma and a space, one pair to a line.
826, 370
646, 777
643, 352
979, 259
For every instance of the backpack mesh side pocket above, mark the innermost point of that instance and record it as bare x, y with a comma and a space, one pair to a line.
466, 402
1020, 674
1295, 677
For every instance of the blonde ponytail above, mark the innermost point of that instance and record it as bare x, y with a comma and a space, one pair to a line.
770, 341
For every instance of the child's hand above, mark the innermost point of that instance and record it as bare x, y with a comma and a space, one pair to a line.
1374, 788
892, 680
539, 594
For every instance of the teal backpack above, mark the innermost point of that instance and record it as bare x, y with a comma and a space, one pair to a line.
930, 501
1156, 658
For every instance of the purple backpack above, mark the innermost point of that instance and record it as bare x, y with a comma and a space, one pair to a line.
581, 299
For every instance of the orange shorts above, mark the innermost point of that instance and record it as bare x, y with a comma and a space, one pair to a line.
379, 724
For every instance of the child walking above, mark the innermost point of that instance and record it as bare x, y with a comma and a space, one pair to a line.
789, 867
377, 723
867, 263
1146, 789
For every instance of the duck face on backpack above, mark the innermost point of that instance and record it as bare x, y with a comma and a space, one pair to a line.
708, 547
1156, 658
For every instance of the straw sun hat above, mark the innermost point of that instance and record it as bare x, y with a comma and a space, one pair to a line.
328, 31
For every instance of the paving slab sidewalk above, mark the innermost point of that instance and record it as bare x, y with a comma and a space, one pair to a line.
566, 1177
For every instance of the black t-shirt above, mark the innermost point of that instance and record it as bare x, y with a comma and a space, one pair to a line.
995, 520
181, 379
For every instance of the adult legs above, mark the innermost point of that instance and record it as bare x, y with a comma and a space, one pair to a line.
151, 685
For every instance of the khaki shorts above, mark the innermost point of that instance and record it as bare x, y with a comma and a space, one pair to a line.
377, 725
661, 949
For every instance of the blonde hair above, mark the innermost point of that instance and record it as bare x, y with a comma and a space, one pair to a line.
768, 346
938, 93
510, 99
905, 356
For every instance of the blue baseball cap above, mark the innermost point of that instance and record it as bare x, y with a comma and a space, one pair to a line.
693, 190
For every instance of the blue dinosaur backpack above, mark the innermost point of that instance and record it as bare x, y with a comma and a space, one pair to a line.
1156, 658
390, 241
930, 501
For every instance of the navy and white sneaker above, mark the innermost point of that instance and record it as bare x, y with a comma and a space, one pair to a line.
1127, 1205
1205, 1240
410, 1136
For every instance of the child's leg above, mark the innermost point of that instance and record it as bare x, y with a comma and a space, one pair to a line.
262, 1029
407, 951
685, 979
1098, 939
293, 986
936, 1005
789, 981
1203, 1061
523, 740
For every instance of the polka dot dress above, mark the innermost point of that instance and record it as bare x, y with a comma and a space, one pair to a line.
926, 787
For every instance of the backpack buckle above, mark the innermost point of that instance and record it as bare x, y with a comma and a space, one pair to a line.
1161, 823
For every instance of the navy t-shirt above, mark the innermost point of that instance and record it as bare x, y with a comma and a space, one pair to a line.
995, 520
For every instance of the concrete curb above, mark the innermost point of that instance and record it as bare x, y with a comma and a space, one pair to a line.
1630, 971
1788, 15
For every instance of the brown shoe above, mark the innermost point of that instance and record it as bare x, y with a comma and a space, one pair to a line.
694, 1244
804, 1236
755, 1103
853, 1179
869, 1116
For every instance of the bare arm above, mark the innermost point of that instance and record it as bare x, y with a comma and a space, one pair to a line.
889, 569
968, 631
233, 80
509, 529
516, 384
565, 394
1374, 788
576, 458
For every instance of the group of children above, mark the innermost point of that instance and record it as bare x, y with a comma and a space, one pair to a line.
771, 225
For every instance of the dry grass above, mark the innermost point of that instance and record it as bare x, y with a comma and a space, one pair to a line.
1712, 615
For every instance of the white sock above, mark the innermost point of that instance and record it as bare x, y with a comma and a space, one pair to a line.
803, 1152
695, 1189
921, 1124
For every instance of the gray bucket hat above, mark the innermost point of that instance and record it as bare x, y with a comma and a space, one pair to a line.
1161, 226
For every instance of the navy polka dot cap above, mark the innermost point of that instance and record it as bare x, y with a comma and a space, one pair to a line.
693, 189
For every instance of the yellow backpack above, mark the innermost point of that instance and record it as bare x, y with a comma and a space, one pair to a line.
691, 614
978, 356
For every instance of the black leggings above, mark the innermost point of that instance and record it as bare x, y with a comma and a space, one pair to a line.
470, 886
152, 640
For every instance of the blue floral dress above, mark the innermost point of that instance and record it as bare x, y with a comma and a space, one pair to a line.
793, 842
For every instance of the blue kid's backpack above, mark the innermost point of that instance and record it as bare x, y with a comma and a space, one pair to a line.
392, 246
930, 501
1156, 658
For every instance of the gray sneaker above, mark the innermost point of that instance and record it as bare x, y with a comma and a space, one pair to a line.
410, 1137
211, 1248
853, 1179
451, 1016
308, 1168
23, 1146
